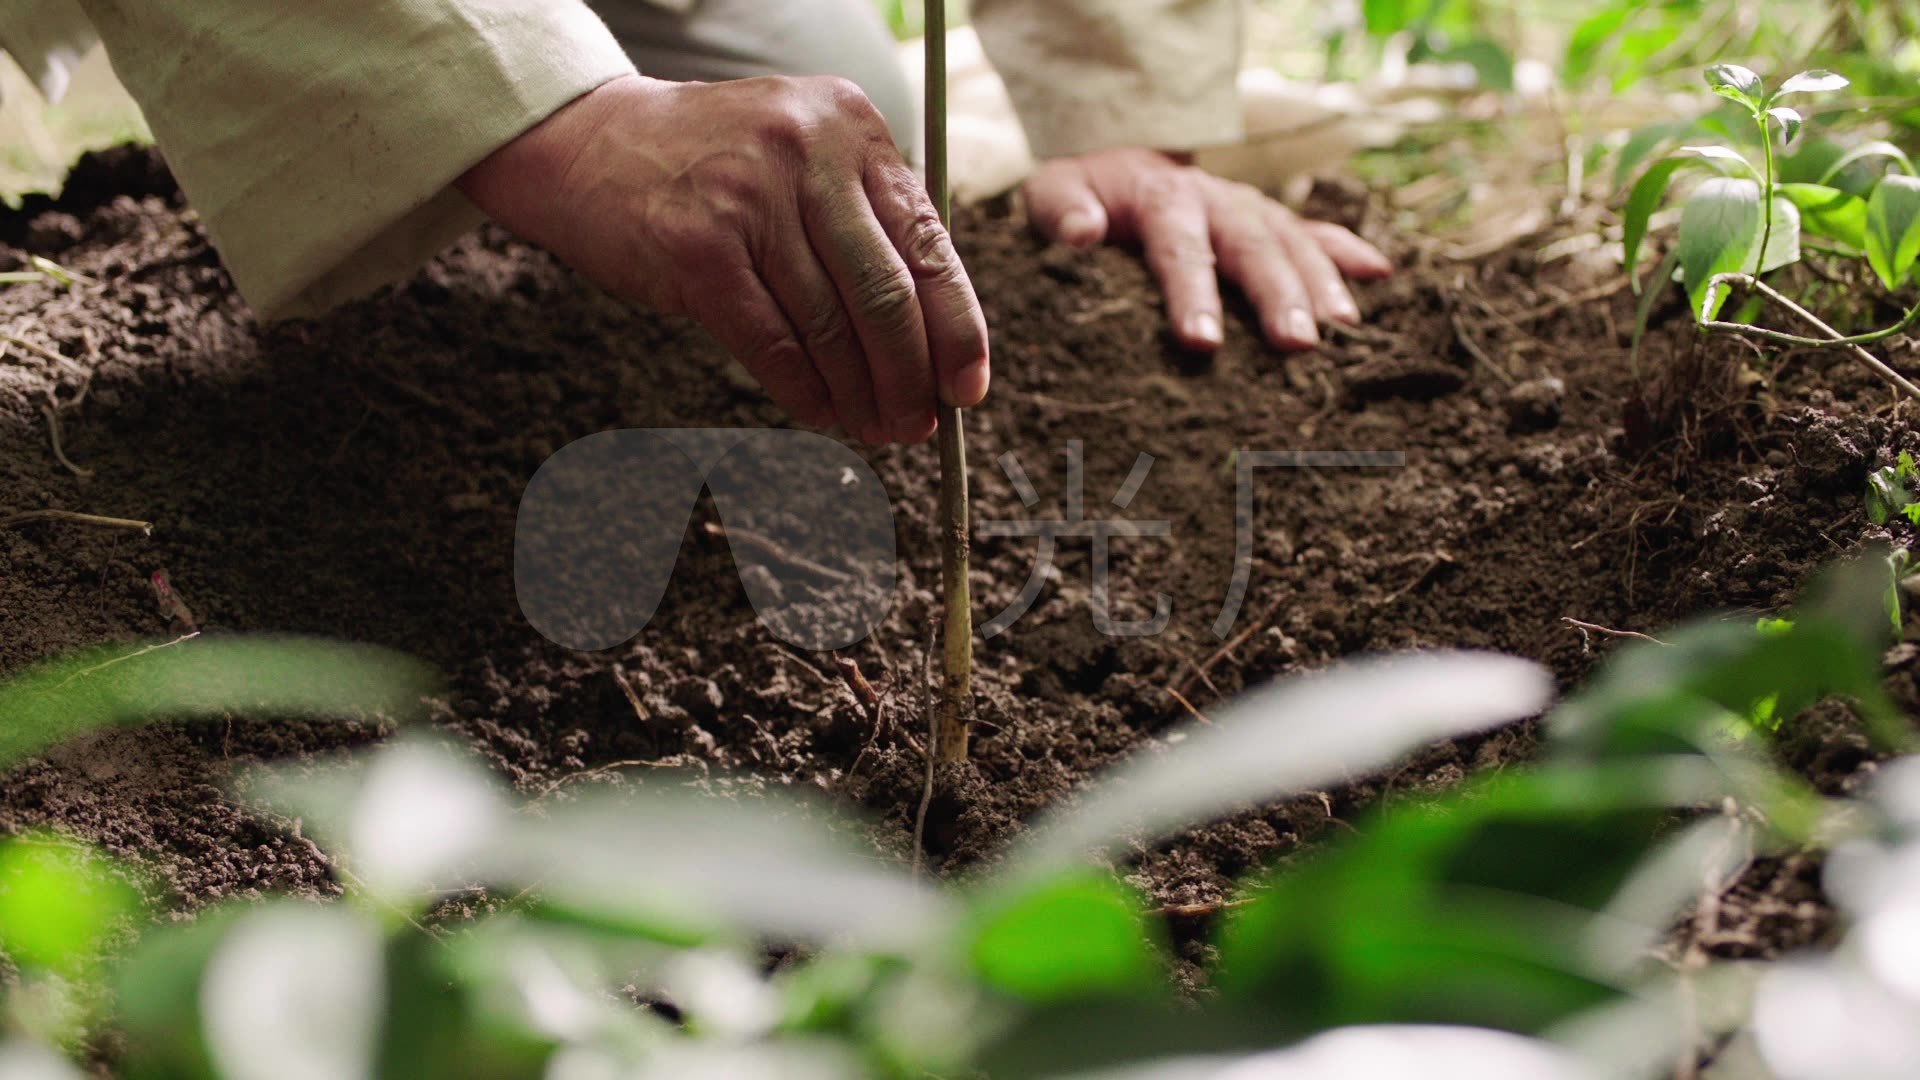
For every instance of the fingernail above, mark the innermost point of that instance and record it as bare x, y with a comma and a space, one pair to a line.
1344, 311
1301, 329
968, 387
1079, 228
1205, 329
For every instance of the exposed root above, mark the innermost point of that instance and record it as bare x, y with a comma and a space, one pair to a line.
134, 655
1586, 629
677, 762
59, 452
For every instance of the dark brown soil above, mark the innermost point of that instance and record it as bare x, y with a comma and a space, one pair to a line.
359, 477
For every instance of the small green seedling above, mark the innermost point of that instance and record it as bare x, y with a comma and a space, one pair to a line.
1744, 222
1890, 491
1722, 227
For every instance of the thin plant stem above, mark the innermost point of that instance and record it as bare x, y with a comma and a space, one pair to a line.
1833, 338
956, 699
1766, 198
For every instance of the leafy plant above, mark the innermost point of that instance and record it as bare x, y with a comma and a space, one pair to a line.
1746, 221
1517, 909
1890, 491
1723, 228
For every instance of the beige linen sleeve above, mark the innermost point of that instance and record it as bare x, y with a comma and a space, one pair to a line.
1095, 74
47, 38
319, 139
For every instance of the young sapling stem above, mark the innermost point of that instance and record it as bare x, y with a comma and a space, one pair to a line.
954, 723
1766, 194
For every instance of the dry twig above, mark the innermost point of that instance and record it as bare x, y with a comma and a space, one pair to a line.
771, 549
863, 690
59, 452
1474, 349
144, 528
1188, 705
1201, 672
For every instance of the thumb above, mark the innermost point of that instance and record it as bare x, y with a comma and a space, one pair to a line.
1063, 206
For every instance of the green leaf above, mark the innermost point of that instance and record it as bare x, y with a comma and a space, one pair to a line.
1491, 62
1888, 494
1385, 18
1642, 201
1298, 735
1724, 155
408, 819
1789, 120
1081, 934
295, 982
1719, 230
1893, 228
682, 868
1644, 143
1808, 82
1867, 152
1674, 697
1829, 212
1783, 243
693, 1059
1470, 911
58, 903
419, 1033
206, 676
158, 996
1590, 36
1379, 1051
1736, 83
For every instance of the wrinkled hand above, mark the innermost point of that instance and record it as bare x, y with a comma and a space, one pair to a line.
777, 213
1196, 228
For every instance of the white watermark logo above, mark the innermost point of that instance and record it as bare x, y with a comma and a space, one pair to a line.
811, 531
